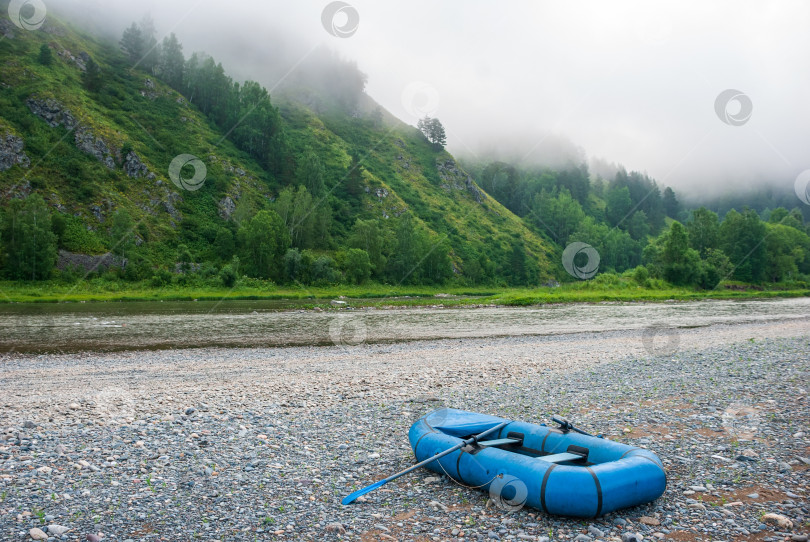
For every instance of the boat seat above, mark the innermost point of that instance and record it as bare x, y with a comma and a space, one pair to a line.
499, 442
574, 453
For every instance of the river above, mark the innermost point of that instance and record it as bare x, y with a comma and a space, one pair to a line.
72, 327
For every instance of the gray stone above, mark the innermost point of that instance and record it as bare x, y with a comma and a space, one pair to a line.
454, 178
595, 531
134, 167
11, 153
67, 260
52, 112
57, 530
96, 147
226, 208
335, 528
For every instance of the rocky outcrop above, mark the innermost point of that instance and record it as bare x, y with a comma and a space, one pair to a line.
173, 198
80, 61
96, 147
85, 262
6, 28
55, 114
133, 166
455, 179
11, 153
52, 112
167, 200
149, 89
226, 208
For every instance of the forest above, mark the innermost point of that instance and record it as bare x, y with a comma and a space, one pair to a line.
308, 220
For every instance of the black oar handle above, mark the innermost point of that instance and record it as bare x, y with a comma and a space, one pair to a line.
565, 425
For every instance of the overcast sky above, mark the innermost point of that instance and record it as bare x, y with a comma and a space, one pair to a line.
627, 82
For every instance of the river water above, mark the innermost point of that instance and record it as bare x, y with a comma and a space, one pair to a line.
41, 328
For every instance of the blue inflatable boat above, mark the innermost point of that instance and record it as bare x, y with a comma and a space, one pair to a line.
556, 470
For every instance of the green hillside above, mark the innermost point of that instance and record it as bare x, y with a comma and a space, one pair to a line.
95, 136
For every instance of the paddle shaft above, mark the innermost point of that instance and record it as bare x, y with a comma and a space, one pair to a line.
448, 451
351, 498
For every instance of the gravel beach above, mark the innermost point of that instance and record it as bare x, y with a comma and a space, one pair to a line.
261, 444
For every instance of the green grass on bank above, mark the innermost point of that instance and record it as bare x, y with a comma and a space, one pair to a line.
98, 290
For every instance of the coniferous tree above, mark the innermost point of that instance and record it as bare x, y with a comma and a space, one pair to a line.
433, 130
171, 62
45, 57
28, 242
133, 43
92, 77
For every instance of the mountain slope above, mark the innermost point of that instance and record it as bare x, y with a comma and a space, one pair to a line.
92, 150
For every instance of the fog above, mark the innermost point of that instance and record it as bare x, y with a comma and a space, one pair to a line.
631, 83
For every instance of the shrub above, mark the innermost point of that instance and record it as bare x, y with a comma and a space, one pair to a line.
228, 276
161, 278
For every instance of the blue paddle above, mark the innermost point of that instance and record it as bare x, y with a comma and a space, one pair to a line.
351, 498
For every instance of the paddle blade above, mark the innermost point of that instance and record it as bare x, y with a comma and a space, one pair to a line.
348, 499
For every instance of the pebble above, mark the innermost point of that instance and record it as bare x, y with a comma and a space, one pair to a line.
322, 422
335, 528
595, 531
779, 520
57, 530
37, 534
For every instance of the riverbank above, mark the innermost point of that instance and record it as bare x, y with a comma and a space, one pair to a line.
261, 444
378, 295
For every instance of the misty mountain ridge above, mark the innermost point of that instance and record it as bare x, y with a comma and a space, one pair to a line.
164, 159
96, 137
